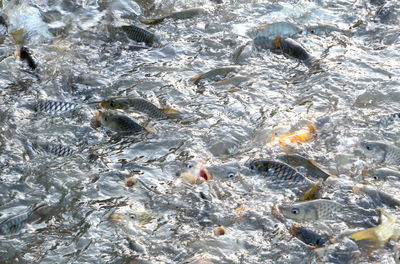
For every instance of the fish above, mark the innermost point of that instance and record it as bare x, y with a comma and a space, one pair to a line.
267, 34
221, 71
52, 149
243, 52
377, 196
388, 229
381, 152
308, 236
194, 172
138, 104
54, 107
384, 174
293, 49
14, 224
22, 16
183, 14
325, 30
118, 123
279, 173
297, 137
140, 35
25, 55
313, 170
311, 210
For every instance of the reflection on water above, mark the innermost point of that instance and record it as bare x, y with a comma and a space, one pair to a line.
233, 99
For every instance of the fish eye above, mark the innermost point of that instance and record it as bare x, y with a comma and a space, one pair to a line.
189, 165
132, 216
368, 147
376, 177
295, 211
312, 31
230, 174
112, 103
253, 166
106, 118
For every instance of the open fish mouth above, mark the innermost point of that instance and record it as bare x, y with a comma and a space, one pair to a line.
205, 174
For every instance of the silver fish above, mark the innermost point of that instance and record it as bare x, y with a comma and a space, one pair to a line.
54, 107
381, 152
384, 174
118, 123
293, 49
53, 149
377, 196
267, 34
221, 71
312, 210
325, 30
183, 14
279, 173
16, 223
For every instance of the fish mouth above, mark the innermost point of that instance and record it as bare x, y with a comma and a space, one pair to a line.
205, 174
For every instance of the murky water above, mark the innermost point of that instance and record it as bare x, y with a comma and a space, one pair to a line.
224, 122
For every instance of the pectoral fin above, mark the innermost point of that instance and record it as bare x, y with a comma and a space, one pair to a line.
170, 111
369, 234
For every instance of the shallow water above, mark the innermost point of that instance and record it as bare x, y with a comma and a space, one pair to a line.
224, 123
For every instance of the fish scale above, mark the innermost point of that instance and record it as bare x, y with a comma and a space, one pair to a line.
16, 223
54, 107
312, 210
139, 34
53, 149
279, 173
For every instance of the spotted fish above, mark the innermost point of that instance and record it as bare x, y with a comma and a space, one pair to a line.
140, 35
280, 173
16, 223
54, 107
312, 210
311, 166
381, 152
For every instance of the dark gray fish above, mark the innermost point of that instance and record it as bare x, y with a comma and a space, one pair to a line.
25, 55
138, 104
279, 173
183, 14
3, 27
16, 223
312, 169
378, 197
54, 107
293, 49
381, 152
308, 236
58, 150
140, 35
118, 123
312, 210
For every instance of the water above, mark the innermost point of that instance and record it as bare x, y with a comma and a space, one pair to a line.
224, 124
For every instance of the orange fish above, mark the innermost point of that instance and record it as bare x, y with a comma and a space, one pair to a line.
298, 137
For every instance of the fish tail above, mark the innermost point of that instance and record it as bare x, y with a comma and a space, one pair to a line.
151, 21
196, 78
170, 111
311, 128
369, 234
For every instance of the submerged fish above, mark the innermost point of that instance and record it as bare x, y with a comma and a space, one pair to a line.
388, 228
16, 223
242, 53
308, 236
140, 35
138, 104
384, 174
311, 166
267, 34
377, 196
279, 173
222, 71
184, 14
293, 49
381, 152
53, 149
118, 123
311, 210
54, 107
28, 18
25, 55
325, 30
297, 137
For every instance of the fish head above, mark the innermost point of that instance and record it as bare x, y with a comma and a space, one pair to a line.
374, 150
294, 211
194, 172
114, 103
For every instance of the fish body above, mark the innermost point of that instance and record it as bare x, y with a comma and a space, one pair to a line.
293, 49
308, 236
267, 34
279, 173
118, 123
140, 35
53, 149
26, 17
297, 137
53, 107
243, 52
221, 71
377, 196
381, 152
138, 104
313, 169
183, 14
387, 229
16, 223
311, 210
